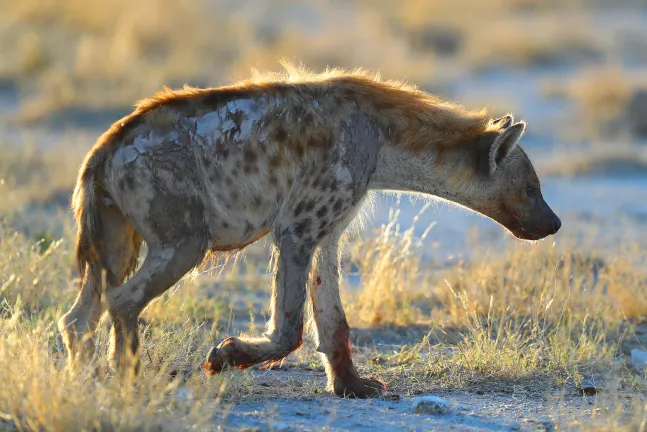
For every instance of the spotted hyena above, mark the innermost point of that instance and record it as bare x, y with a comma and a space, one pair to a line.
199, 170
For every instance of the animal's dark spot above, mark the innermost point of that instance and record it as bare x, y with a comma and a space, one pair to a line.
122, 184
287, 315
234, 172
333, 185
315, 182
249, 228
250, 156
301, 227
338, 205
280, 134
318, 281
206, 161
225, 224
234, 195
257, 201
298, 209
322, 211
274, 181
229, 181
310, 206
225, 153
299, 149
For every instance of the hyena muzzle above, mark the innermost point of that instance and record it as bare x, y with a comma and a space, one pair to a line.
200, 170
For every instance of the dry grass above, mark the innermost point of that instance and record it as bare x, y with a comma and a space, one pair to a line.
77, 59
601, 97
538, 320
528, 314
532, 319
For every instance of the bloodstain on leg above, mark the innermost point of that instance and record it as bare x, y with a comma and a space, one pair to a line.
341, 361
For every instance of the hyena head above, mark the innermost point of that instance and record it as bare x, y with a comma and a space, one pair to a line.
508, 187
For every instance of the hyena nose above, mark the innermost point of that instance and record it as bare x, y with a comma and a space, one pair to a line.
557, 224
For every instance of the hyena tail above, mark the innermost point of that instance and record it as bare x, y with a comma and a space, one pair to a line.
86, 212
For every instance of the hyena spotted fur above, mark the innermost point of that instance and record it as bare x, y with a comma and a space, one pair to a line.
199, 170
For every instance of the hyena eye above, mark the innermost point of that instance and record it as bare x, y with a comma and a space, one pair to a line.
530, 191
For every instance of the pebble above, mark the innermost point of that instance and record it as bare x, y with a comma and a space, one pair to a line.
430, 405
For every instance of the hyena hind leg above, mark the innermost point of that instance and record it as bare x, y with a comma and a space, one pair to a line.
333, 333
163, 267
118, 252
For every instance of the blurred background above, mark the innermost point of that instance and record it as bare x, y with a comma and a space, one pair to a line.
575, 70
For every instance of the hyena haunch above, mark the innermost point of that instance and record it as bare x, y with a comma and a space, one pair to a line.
199, 170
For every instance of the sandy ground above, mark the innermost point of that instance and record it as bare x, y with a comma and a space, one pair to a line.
469, 411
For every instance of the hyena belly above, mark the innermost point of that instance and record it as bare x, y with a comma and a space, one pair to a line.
221, 173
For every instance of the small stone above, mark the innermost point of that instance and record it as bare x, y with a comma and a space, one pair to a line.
430, 405
515, 426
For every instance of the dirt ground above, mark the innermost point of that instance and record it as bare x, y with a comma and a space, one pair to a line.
470, 410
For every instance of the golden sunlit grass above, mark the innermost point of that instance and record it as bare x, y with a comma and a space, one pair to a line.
534, 318
77, 58
529, 313
539, 320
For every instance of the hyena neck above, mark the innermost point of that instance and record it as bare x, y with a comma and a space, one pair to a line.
445, 175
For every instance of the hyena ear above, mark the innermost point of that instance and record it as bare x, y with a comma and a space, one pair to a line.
504, 144
503, 122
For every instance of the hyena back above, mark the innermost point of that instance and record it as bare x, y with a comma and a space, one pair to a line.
199, 170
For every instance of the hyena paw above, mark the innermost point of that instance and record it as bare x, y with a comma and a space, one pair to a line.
230, 352
361, 388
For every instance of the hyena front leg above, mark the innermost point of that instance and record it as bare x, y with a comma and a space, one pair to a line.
285, 328
333, 333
